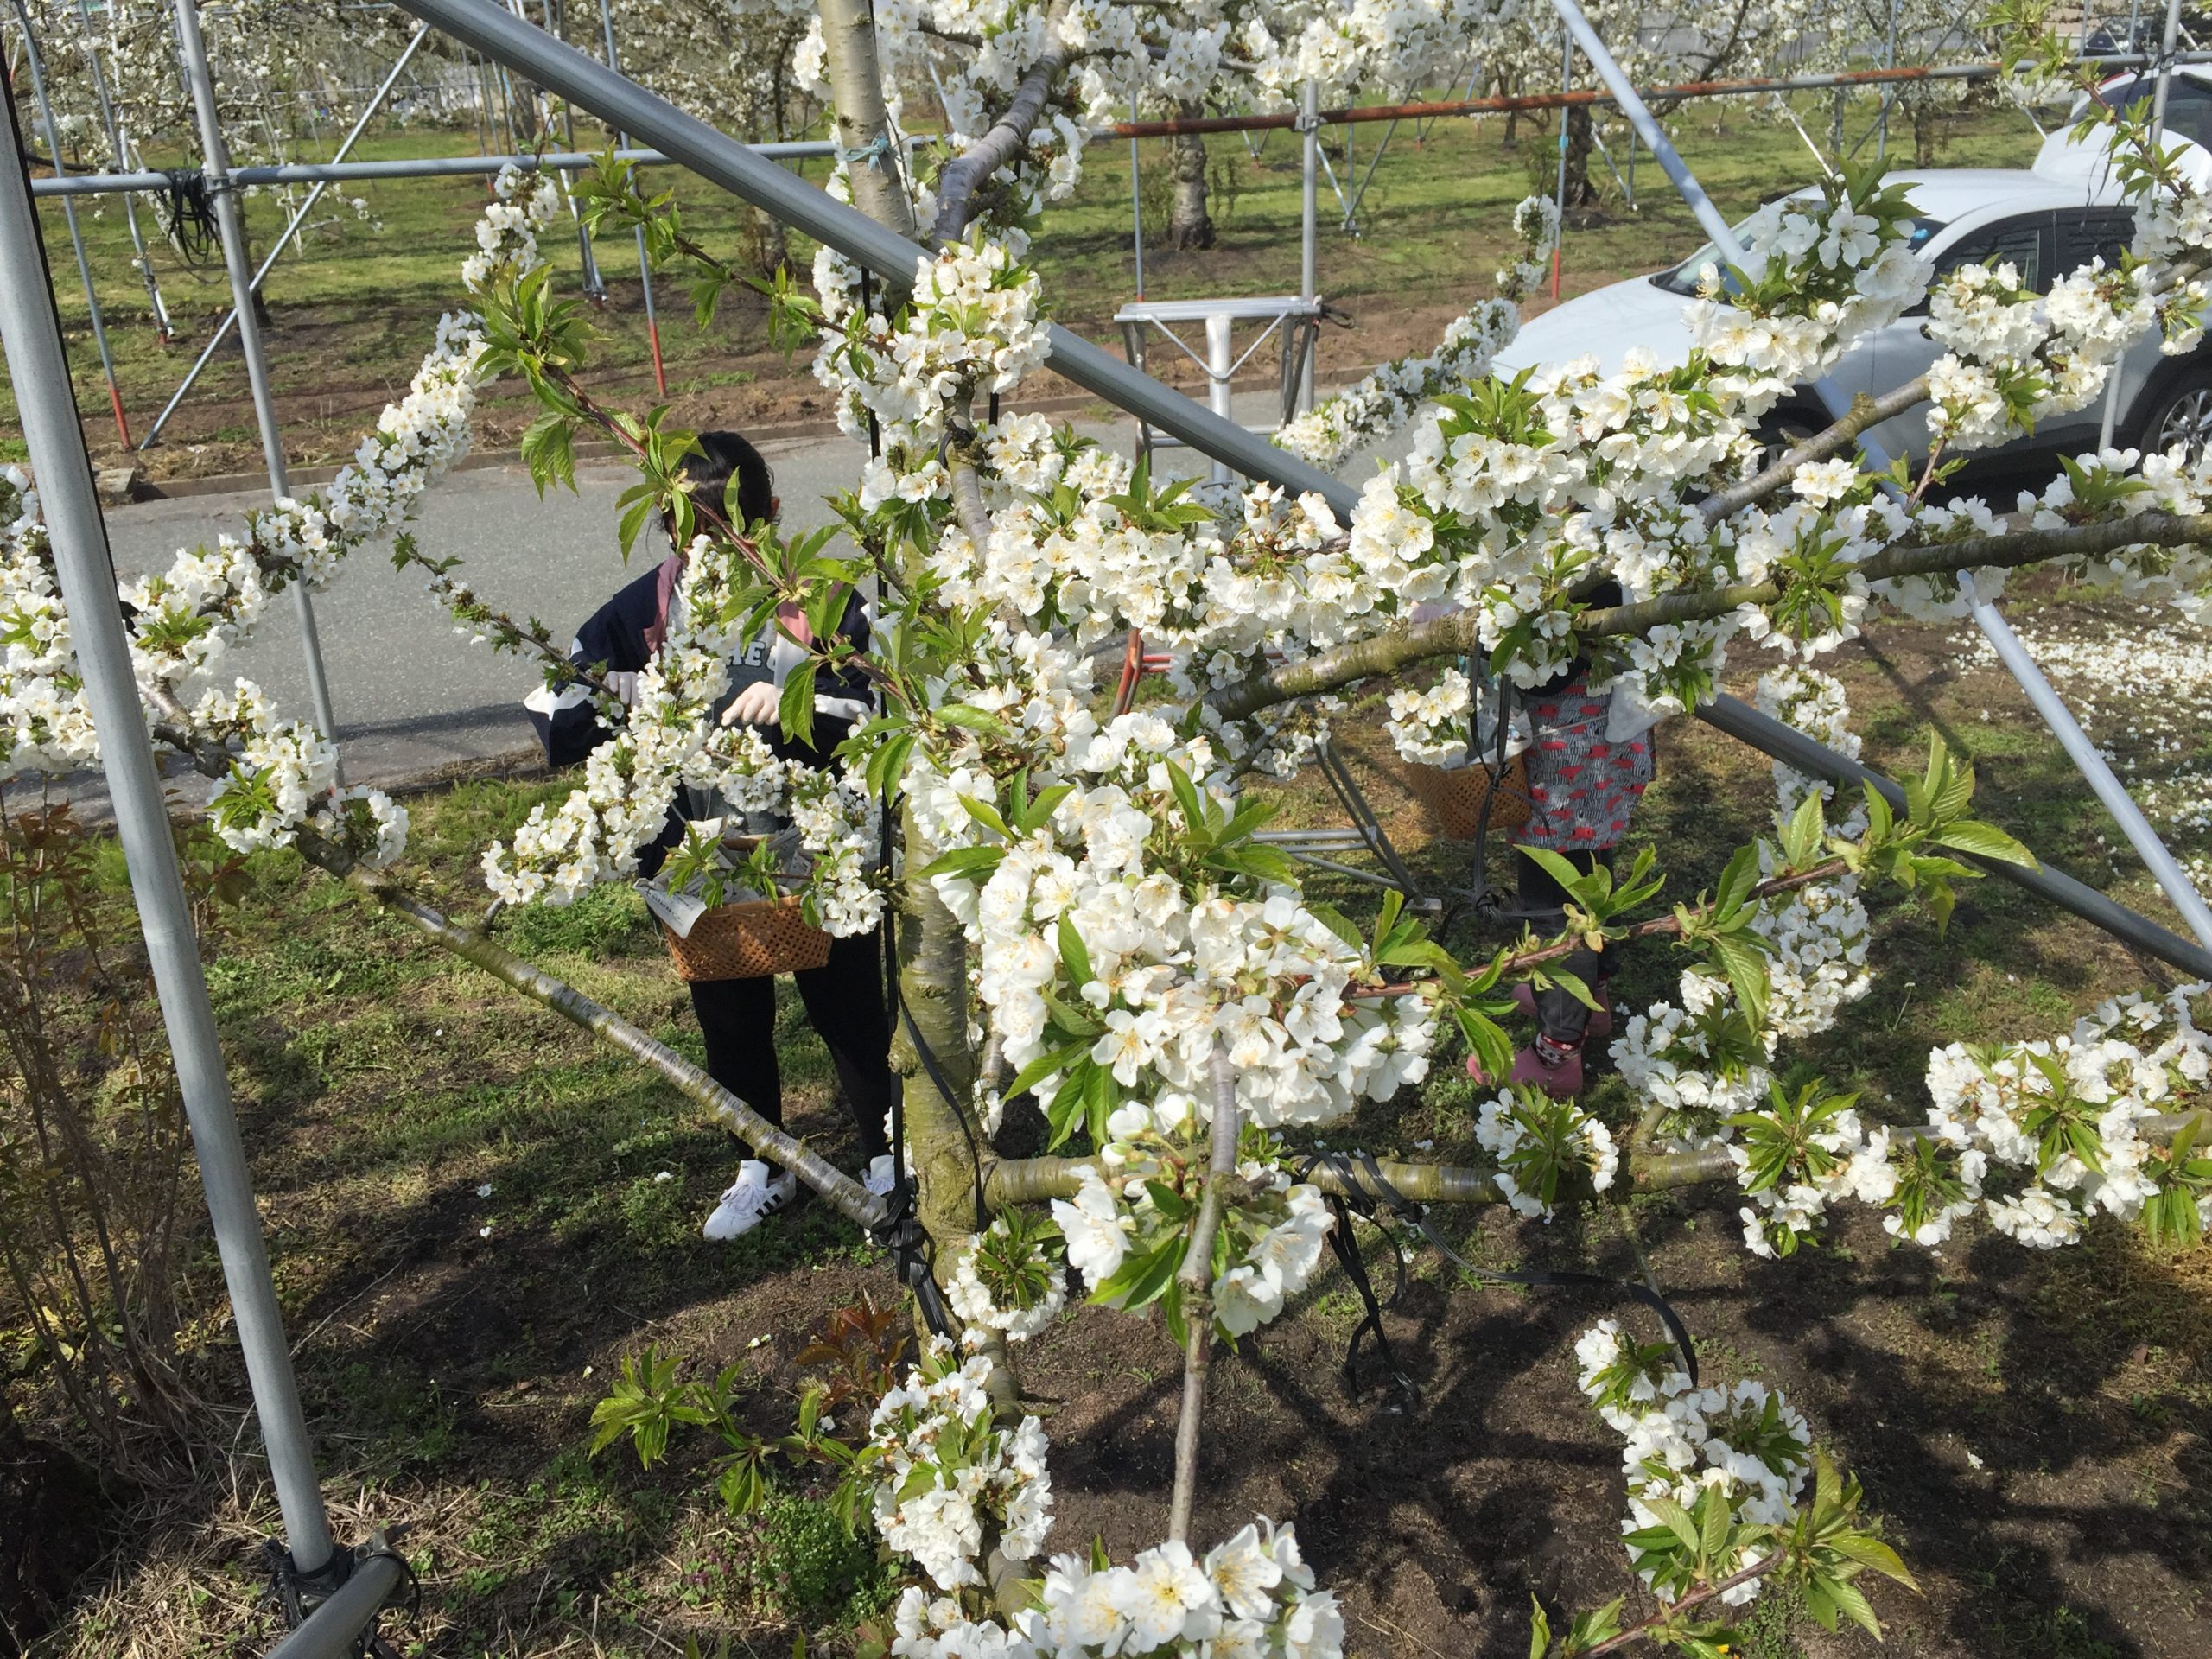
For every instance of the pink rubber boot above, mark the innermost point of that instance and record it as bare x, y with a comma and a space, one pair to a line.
1555, 1068
1601, 1017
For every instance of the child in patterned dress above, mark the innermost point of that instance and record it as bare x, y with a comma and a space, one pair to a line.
1590, 759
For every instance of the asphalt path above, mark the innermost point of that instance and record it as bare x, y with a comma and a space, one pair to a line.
413, 697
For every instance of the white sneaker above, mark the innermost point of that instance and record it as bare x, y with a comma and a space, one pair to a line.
751, 1199
882, 1175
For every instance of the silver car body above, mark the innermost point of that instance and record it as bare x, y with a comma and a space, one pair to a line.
2046, 220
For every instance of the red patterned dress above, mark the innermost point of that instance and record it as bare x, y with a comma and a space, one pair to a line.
1583, 787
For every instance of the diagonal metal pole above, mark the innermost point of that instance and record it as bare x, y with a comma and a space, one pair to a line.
216, 168
122, 165
31, 332
714, 156
2090, 761
31, 56
223, 328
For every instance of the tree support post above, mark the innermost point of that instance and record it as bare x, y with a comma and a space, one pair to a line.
230, 317
161, 310
69, 214
31, 332
217, 167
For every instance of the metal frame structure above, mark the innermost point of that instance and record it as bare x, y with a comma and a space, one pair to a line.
30, 330
222, 192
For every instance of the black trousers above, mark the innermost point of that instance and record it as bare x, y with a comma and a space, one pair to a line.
1561, 1015
844, 999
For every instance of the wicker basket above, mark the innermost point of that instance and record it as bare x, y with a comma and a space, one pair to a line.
748, 941
1455, 799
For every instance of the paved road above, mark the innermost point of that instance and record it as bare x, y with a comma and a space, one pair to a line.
409, 695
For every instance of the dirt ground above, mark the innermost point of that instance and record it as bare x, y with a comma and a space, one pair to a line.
2032, 1430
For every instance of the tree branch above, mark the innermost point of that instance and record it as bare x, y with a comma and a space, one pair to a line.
1032, 1180
958, 181
1456, 634
1196, 1277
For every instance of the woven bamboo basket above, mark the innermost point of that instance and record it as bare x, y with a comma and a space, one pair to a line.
748, 941
1455, 799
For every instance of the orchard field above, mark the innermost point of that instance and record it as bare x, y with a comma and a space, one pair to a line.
350, 309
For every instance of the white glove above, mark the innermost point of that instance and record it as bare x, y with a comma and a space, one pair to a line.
756, 704
622, 686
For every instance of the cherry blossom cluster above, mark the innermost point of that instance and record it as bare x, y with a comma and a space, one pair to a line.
953, 1483
1539, 1143
1252, 1596
1170, 971
1816, 276
972, 325
2058, 1118
1007, 1278
1433, 724
1274, 1230
1681, 1441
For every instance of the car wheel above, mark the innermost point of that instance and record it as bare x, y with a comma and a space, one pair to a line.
2181, 414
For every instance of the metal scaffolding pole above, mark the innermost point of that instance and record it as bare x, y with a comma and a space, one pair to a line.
1559, 191
1890, 61
69, 212
122, 164
31, 332
1309, 276
1136, 202
231, 317
215, 156
645, 266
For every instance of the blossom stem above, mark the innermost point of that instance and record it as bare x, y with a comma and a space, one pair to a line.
1196, 1278
1635, 1633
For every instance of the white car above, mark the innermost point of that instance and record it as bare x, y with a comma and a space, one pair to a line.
2046, 222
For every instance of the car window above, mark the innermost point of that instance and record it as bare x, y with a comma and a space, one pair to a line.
2015, 242
2086, 233
2189, 104
1682, 278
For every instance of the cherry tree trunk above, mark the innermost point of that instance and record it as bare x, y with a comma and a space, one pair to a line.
1580, 193
863, 118
944, 1140
1189, 225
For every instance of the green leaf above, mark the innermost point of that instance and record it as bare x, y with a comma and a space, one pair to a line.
548, 449
1073, 954
1737, 881
1972, 836
1540, 1630
1043, 1067
975, 863
971, 719
795, 708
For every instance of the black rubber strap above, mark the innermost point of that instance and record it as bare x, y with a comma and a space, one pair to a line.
1369, 1193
